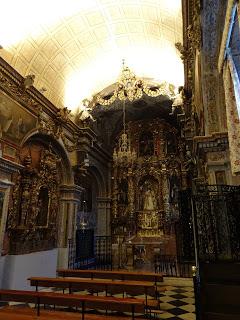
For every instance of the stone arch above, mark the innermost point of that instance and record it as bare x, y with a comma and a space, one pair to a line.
102, 203
101, 182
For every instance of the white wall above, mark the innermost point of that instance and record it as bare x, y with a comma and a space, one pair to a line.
15, 269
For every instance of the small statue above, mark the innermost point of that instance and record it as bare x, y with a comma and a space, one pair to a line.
190, 160
63, 114
178, 100
28, 81
84, 114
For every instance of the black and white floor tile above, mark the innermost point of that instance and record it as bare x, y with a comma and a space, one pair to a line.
177, 303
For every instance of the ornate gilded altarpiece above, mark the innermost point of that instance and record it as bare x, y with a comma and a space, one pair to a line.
145, 189
32, 220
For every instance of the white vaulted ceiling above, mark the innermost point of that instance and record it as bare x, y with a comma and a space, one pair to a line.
75, 47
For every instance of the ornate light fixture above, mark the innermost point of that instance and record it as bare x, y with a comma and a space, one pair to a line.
130, 88
124, 153
82, 223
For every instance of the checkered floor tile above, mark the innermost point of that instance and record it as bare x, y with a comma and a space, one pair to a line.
178, 303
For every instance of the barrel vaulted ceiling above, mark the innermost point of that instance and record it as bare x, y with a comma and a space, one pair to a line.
75, 47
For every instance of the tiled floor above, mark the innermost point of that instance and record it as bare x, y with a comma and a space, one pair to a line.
178, 303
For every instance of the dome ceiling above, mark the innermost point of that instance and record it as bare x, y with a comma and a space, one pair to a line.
75, 48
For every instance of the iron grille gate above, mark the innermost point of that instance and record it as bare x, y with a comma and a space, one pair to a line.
216, 217
217, 223
90, 252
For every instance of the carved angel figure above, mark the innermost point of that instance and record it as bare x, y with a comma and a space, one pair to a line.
84, 111
178, 100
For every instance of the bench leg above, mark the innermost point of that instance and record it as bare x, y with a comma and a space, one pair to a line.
133, 313
38, 307
83, 310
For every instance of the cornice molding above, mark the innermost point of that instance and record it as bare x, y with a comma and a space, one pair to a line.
8, 166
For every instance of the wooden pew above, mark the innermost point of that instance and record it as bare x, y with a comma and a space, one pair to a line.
125, 287
80, 301
113, 275
30, 314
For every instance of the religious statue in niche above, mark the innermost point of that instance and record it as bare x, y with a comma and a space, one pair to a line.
146, 145
147, 195
148, 217
174, 189
42, 207
149, 202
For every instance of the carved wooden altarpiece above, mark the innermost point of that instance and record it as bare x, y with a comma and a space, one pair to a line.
32, 220
145, 189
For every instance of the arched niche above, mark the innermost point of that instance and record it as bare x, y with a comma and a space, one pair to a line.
148, 194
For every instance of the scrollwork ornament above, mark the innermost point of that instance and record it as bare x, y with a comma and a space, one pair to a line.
8, 84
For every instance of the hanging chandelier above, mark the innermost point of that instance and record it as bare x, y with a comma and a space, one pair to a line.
124, 154
130, 88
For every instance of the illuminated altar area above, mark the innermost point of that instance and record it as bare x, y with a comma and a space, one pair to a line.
145, 188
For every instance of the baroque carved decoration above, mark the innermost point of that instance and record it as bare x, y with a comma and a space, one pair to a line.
55, 128
194, 30
32, 220
145, 191
11, 86
27, 96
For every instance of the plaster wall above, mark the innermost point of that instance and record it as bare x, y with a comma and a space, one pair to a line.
15, 269
2, 262
62, 258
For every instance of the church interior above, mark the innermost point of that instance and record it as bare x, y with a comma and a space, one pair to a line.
119, 152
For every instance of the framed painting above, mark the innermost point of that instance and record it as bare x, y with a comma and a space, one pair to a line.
15, 120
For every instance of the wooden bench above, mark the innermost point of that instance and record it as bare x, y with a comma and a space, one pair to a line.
80, 301
132, 288
113, 275
26, 313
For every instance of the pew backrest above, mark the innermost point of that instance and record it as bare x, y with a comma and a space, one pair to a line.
113, 287
70, 300
113, 275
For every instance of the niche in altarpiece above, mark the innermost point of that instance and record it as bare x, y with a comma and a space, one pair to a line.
123, 192
171, 146
146, 144
148, 194
42, 206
